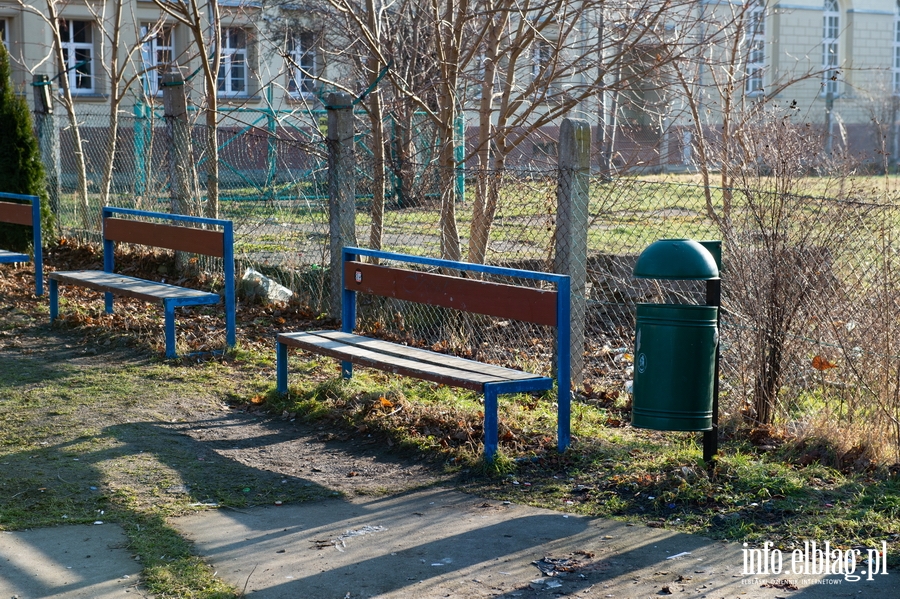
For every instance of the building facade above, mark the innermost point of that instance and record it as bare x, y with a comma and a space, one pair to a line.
837, 61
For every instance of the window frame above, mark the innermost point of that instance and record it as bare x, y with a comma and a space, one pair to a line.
301, 85
150, 56
756, 44
71, 51
831, 31
541, 55
231, 56
895, 58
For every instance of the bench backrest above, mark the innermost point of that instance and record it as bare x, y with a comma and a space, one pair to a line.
529, 304
29, 215
169, 236
16, 214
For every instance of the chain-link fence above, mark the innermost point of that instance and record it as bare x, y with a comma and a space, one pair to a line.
809, 283
809, 333
809, 290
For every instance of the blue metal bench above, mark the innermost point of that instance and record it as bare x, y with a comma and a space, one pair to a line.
206, 241
528, 304
30, 215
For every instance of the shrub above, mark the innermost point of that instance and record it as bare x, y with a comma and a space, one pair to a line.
21, 170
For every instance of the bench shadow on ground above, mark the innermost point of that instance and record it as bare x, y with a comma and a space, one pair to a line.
281, 554
170, 459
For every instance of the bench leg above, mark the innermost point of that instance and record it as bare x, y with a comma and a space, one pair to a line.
491, 422
108, 302
54, 299
563, 418
281, 367
38, 278
169, 309
347, 369
230, 326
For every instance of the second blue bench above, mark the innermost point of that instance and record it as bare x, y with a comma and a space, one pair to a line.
141, 227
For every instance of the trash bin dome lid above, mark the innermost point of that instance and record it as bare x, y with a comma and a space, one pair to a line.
676, 259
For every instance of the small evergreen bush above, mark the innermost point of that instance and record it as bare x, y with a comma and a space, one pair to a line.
21, 170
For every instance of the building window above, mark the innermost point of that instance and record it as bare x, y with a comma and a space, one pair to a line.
481, 73
5, 39
232, 80
157, 53
77, 51
756, 47
543, 52
831, 29
302, 67
895, 65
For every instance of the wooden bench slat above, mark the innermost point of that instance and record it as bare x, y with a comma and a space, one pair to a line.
172, 237
428, 370
527, 304
17, 214
427, 356
133, 287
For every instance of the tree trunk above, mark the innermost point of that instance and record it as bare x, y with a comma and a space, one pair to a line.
450, 247
212, 158
78, 146
379, 188
490, 167
115, 97
376, 118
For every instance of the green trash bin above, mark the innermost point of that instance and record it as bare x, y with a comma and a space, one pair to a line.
674, 367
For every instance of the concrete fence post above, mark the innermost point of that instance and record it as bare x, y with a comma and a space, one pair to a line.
571, 228
48, 138
341, 188
181, 167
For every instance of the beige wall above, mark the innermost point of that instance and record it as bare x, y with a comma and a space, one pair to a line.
29, 37
793, 49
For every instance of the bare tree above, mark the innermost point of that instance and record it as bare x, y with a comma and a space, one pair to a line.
780, 239
109, 16
371, 20
52, 18
546, 59
521, 65
726, 115
202, 20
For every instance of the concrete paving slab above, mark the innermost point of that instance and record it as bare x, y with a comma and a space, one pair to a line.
68, 562
441, 543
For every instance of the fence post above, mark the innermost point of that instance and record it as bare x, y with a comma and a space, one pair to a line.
571, 228
459, 154
271, 144
48, 139
141, 147
341, 188
181, 166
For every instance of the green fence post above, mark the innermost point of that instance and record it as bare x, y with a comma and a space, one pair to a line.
272, 146
140, 148
48, 139
459, 156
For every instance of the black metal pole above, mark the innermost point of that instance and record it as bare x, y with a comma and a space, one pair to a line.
711, 437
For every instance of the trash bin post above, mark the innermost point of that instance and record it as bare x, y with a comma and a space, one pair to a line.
714, 298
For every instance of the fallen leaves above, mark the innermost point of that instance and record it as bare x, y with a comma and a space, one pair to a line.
821, 364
